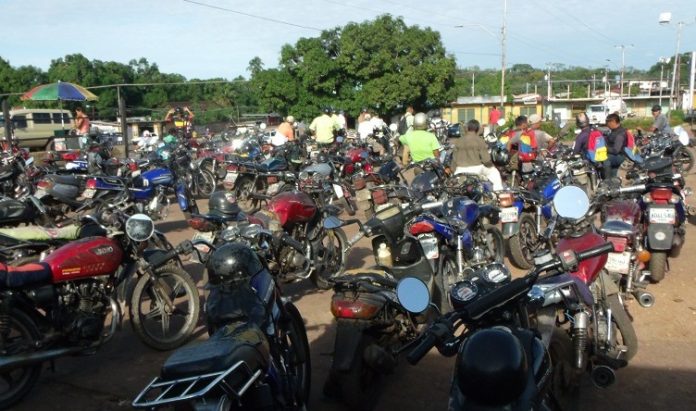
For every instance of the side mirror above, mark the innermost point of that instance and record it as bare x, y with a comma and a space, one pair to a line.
682, 135
262, 126
413, 294
500, 122
393, 127
571, 202
332, 222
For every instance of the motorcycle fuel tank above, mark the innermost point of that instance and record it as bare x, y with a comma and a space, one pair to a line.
292, 207
589, 269
157, 176
89, 257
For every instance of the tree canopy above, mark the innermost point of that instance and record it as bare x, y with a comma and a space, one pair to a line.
381, 64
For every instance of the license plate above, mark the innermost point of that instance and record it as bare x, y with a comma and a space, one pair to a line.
508, 215
40, 193
135, 173
202, 248
89, 193
618, 262
231, 177
662, 215
429, 245
338, 190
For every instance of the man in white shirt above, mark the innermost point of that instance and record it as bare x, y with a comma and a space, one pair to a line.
366, 128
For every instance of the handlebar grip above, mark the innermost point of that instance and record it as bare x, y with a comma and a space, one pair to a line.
161, 259
185, 247
291, 242
477, 308
421, 349
434, 204
596, 251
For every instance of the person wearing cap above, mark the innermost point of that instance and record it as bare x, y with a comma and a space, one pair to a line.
660, 125
287, 128
323, 127
471, 156
543, 139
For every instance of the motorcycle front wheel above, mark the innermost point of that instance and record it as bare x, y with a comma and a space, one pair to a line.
204, 181
523, 244
21, 338
155, 322
329, 257
623, 332
565, 378
244, 187
684, 160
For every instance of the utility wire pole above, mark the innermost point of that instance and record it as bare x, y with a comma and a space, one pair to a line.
623, 65
503, 32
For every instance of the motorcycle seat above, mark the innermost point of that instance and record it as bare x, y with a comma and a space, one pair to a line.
228, 346
66, 179
24, 275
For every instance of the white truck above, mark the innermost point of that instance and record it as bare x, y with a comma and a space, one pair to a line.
598, 113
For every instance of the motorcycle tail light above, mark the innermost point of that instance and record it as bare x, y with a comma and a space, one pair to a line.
200, 224
356, 309
44, 184
643, 256
421, 227
91, 183
505, 199
132, 165
675, 199
71, 156
619, 243
661, 195
379, 197
232, 167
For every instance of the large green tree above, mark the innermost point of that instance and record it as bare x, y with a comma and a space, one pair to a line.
382, 64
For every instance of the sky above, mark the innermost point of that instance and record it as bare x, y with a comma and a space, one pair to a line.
204, 42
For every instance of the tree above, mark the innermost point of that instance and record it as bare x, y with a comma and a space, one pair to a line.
383, 64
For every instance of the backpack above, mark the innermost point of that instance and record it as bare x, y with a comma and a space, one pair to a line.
402, 126
597, 147
528, 146
630, 142
506, 137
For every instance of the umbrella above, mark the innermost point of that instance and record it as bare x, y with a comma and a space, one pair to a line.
60, 91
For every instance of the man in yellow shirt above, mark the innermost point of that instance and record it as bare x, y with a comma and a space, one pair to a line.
419, 143
323, 127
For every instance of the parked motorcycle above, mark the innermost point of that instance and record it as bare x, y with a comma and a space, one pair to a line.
58, 306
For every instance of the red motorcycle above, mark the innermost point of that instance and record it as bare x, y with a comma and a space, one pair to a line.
60, 306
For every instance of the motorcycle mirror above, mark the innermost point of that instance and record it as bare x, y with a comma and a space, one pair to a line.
413, 294
262, 126
393, 127
571, 202
139, 227
682, 135
332, 222
500, 122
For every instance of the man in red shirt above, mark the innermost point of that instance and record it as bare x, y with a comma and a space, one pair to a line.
493, 116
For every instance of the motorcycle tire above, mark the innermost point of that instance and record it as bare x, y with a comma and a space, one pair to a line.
495, 238
657, 266
565, 378
145, 295
446, 278
204, 181
243, 187
520, 254
337, 258
24, 334
358, 387
624, 326
294, 342
684, 160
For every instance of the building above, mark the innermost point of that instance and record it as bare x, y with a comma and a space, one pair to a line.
477, 107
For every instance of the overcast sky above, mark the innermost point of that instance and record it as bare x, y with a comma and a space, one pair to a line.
204, 42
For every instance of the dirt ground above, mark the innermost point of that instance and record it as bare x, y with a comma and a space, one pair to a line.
661, 377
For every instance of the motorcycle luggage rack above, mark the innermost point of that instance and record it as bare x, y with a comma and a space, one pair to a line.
161, 392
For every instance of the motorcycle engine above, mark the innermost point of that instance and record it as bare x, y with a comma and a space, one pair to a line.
82, 309
291, 260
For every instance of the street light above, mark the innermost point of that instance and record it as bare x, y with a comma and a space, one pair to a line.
664, 19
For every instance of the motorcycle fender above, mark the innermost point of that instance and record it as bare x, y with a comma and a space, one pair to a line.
660, 236
348, 337
510, 229
610, 286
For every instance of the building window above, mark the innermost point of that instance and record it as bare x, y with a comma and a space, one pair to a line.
41, 118
528, 111
466, 114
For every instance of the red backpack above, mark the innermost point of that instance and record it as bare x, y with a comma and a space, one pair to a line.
528, 146
631, 142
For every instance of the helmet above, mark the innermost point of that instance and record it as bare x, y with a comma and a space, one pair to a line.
179, 110
224, 204
420, 121
500, 156
581, 120
326, 109
232, 262
290, 119
492, 382
656, 108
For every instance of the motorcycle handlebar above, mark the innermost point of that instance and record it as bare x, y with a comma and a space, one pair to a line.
159, 260
596, 251
426, 344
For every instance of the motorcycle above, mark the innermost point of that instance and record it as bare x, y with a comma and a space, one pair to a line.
13, 167
58, 306
25, 210
501, 362
257, 356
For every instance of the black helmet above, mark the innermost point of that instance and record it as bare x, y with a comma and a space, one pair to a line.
500, 156
224, 204
492, 367
326, 109
656, 108
231, 263
581, 120
179, 110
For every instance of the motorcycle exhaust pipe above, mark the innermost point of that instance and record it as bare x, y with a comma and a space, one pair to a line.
21, 360
603, 376
644, 298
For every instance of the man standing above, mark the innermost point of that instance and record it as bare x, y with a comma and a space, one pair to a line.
323, 127
471, 156
616, 141
420, 144
543, 140
408, 117
364, 112
365, 129
82, 126
660, 125
493, 116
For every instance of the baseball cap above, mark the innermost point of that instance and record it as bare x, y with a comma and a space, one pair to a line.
534, 118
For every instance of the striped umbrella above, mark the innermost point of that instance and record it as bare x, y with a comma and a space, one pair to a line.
60, 91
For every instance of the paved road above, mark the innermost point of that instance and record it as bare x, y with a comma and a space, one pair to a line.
661, 377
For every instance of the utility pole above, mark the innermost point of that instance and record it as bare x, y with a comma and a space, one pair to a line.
663, 61
675, 73
122, 114
623, 65
6, 118
594, 87
692, 73
473, 80
503, 33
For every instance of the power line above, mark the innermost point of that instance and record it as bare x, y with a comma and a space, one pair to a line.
287, 23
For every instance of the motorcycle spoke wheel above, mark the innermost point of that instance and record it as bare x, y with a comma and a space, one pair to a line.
21, 337
246, 204
205, 183
156, 324
293, 340
329, 257
495, 245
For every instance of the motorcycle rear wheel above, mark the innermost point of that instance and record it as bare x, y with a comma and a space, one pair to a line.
22, 336
148, 310
495, 244
243, 188
295, 343
684, 160
358, 387
657, 266
565, 380
622, 323
204, 181
519, 245
329, 257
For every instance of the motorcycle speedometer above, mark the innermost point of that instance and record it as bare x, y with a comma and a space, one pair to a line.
495, 273
464, 291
